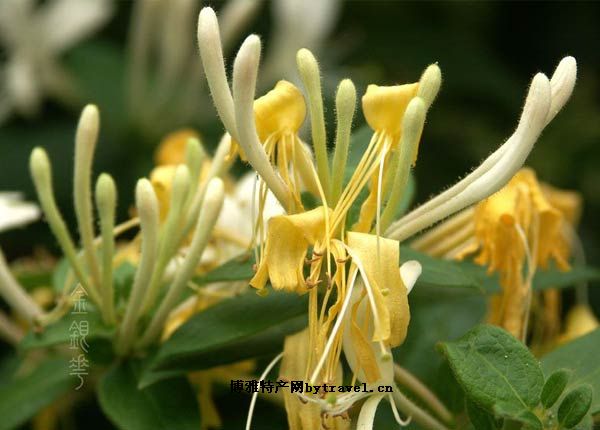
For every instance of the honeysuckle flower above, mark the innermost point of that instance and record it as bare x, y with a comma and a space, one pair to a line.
234, 231
34, 38
193, 207
396, 115
512, 232
14, 212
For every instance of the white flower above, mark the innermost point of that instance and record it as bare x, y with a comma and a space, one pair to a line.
235, 225
14, 212
297, 24
166, 84
34, 38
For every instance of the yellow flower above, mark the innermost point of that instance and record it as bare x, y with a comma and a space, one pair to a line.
303, 415
171, 150
278, 115
512, 232
359, 316
579, 322
383, 106
288, 239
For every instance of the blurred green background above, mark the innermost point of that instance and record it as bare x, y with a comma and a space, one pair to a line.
488, 52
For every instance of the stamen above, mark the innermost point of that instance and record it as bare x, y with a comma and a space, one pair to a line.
255, 395
336, 327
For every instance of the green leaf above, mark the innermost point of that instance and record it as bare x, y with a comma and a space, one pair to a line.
497, 372
237, 269
445, 273
470, 276
554, 278
358, 144
480, 418
235, 329
435, 319
22, 397
60, 332
554, 387
59, 277
123, 280
580, 356
167, 405
575, 406
34, 278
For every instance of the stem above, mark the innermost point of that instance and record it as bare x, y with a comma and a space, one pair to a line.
10, 332
420, 416
407, 379
15, 295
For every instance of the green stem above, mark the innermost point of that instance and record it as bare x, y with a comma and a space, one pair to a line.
407, 379
417, 414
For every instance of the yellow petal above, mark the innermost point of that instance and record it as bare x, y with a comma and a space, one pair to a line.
172, 148
361, 350
303, 416
380, 258
569, 203
384, 107
281, 110
161, 178
288, 239
579, 322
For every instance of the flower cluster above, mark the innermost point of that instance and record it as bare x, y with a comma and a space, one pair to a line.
325, 251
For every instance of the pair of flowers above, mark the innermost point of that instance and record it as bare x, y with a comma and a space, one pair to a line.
361, 317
